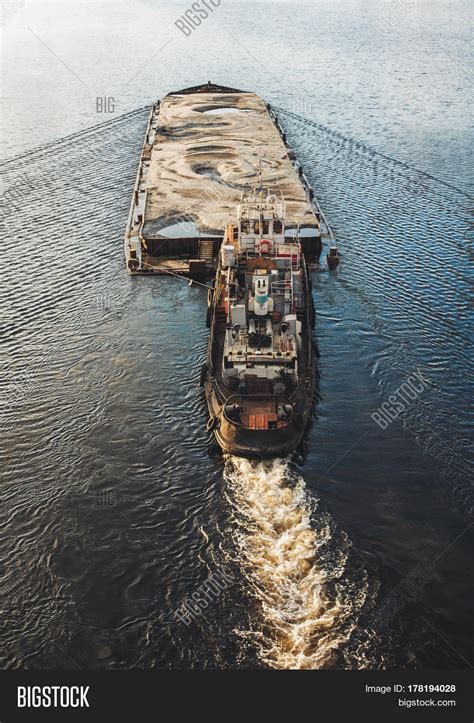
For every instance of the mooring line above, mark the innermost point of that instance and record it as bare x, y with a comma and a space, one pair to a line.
190, 280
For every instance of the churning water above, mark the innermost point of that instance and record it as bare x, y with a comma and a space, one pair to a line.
294, 566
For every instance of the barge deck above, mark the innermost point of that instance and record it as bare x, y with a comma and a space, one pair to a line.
204, 147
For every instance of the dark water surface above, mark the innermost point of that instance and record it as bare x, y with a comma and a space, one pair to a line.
116, 505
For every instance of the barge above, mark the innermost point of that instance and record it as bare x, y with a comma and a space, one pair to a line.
219, 193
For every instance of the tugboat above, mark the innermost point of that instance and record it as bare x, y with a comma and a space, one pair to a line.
259, 375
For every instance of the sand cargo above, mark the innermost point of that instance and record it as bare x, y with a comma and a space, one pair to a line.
204, 147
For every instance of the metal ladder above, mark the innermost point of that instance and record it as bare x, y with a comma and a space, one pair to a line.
206, 250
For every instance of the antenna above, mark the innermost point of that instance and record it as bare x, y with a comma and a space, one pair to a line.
260, 167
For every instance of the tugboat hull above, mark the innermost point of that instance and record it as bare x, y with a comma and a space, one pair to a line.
235, 440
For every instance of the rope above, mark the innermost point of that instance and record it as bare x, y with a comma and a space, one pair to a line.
190, 281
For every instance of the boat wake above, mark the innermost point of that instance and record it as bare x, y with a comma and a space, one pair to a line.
294, 563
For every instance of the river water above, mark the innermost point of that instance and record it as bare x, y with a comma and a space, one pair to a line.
116, 505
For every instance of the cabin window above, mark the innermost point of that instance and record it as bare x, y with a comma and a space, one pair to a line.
265, 227
256, 227
277, 226
245, 227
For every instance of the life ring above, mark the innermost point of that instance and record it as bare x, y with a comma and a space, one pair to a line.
265, 246
209, 297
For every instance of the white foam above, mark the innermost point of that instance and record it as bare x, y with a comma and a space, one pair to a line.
280, 555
